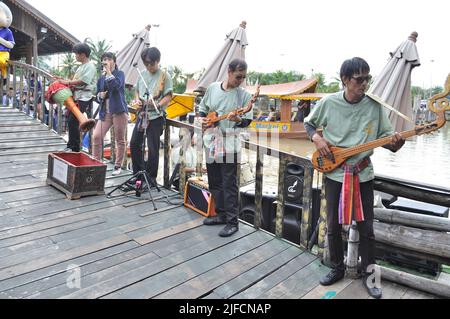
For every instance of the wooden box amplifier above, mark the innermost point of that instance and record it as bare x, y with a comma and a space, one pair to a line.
76, 174
198, 198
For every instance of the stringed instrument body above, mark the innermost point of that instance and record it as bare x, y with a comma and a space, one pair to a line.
340, 155
214, 117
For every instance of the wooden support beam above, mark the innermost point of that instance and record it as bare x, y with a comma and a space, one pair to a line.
420, 283
412, 220
419, 240
422, 195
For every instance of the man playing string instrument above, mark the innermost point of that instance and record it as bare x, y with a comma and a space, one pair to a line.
349, 119
160, 87
223, 145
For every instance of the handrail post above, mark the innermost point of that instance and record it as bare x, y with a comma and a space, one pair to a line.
281, 197
50, 116
322, 242
21, 90
167, 155
43, 107
27, 77
184, 144
199, 150
259, 187
1, 88
306, 224
60, 117
37, 112
14, 87
8, 79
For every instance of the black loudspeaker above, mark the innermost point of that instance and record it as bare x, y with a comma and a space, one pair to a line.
293, 190
248, 208
191, 118
291, 222
293, 217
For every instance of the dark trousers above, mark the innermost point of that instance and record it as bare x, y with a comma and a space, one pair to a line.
366, 233
74, 126
223, 185
154, 132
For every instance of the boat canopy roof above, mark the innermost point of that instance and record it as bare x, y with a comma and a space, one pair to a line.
299, 90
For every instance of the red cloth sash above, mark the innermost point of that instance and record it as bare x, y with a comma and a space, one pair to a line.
350, 204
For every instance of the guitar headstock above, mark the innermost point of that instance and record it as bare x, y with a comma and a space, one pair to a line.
432, 127
426, 129
258, 91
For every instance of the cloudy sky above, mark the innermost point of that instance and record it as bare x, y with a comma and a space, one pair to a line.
305, 36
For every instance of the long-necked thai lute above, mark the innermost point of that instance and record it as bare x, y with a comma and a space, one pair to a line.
340, 155
214, 118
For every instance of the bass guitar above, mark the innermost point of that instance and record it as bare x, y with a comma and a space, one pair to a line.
340, 155
214, 118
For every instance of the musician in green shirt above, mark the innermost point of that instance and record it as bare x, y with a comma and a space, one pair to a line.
223, 146
151, 117
348, 119
83, 86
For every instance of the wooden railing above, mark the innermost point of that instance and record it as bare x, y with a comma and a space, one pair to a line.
26, 97
261, 152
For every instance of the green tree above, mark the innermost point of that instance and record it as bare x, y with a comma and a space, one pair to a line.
179, 79
436, 90
68, 67
276, 77
44, 62
97, 50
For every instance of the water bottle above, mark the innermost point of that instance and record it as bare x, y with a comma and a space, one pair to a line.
138, 188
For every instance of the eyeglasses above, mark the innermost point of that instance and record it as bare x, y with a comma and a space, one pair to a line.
241, 77
150, 63
361, 79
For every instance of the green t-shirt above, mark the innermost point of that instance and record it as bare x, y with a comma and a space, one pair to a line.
153, 81
218, 100
347, 125
88, 74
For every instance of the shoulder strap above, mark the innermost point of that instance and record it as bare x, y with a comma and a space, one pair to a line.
240, 96
160, 85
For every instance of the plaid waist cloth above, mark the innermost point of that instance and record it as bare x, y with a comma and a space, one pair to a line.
350, 204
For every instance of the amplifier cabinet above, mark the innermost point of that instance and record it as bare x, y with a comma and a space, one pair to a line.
198, 198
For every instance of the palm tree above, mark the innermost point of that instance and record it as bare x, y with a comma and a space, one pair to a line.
44, 62
69, 66
97, 50
179, 79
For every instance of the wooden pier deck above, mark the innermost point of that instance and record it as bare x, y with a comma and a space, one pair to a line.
122, 248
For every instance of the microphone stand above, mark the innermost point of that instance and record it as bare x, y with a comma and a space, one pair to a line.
149, 97
142, 175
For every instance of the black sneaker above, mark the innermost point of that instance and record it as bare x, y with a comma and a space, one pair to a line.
216, 220
332, 277
373, 291
228, 231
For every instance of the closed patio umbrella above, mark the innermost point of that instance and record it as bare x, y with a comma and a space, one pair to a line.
131, 54
393, 84
233, 48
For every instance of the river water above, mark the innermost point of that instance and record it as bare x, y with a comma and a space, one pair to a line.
424, 159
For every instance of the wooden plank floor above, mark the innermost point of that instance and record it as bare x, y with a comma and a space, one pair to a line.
122, 248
